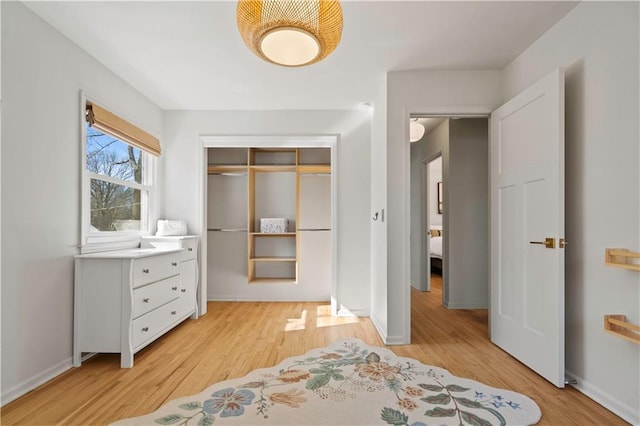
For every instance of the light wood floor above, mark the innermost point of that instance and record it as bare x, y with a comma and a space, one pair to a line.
235, 338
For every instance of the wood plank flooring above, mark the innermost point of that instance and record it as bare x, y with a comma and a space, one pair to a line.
235, 338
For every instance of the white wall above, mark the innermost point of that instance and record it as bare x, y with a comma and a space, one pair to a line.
467, 208
432, 144
183, 193
378, 229
597, 44
42, 75
435, 176
423, 92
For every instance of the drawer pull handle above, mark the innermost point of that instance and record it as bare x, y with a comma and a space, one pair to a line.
174, 263
145, 270
173, 312
146, 300
174, 288
145, 329
190, 249
184, 290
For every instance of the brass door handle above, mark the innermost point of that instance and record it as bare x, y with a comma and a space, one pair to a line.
548, 242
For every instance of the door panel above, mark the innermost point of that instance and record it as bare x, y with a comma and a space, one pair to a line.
527, 204
509, 251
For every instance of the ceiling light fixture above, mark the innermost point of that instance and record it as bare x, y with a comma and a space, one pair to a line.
416, 130
291, 33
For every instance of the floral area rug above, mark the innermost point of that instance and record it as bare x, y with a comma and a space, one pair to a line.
347, 383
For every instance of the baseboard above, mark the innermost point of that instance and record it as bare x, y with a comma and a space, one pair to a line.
30, 384
395, 340
381, 331
465, 305
607, 401
388, 340
416, 286
343, 312
225, 298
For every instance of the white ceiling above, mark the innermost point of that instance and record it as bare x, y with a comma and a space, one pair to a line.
189, 55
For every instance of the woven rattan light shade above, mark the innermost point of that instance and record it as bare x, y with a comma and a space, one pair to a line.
314, 20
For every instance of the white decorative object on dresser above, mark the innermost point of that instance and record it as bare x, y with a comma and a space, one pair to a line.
126, 299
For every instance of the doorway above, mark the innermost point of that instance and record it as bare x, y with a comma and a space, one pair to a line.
431, 223
459, 220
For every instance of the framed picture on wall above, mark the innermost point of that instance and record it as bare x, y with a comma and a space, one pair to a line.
440, 204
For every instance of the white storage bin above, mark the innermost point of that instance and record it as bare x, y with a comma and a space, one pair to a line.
273, 225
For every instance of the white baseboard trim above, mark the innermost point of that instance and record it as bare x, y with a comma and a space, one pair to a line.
388, 340
453, 305
226, 298
30, 384
395, 340
381, 331
607, 401
417, 286
343, 312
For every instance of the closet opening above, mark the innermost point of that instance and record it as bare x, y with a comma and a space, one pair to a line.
269, 218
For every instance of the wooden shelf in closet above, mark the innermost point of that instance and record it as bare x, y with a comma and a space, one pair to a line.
272, 259
273, 280
273, 168
273, 234
215, 168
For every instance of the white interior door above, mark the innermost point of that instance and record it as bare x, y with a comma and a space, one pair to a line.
527, 207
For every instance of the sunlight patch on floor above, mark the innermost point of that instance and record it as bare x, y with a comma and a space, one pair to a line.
324, 318
294, 324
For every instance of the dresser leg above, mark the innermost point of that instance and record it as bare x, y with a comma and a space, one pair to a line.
77, 358
126, 360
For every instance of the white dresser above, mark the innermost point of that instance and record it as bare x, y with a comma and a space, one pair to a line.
188, 264
124, 300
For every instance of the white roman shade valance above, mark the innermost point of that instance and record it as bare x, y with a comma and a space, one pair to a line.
107, 122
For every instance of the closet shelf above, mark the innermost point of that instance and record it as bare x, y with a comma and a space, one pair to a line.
618, 326
273, 280
272, 259
622, 258
273, 168
235, 169
273, 234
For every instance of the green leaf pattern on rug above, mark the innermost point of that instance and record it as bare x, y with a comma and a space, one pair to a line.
450, 398
394, 417
342, 374
171, 419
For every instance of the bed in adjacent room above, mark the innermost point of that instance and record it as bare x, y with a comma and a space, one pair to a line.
435, 249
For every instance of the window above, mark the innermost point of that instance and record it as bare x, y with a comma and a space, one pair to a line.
118, 178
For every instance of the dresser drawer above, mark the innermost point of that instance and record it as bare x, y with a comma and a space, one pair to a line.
148, 297
190, 246
152, 324
149, 269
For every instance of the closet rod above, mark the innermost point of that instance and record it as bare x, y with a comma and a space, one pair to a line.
226, 230
227, 174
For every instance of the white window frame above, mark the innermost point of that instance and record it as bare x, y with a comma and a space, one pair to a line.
92, 241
